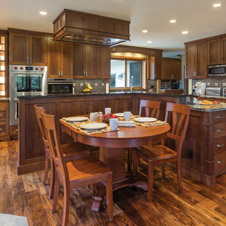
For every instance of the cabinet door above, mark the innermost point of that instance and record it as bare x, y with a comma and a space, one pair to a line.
223, 49
158, 65
54, 59
166, 69
214, 49
18, 49
202, 59
38, 50
66, 60
176, 70
191, 61
79, 61
104, 62
91, 61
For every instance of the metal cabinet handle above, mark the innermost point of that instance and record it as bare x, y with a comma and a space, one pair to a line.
219, 130
28, 60
59, 73
0, 115
220, 145
0, 129
220, 161
219, 116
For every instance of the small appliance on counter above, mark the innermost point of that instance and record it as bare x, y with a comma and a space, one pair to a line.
213, 91
200, 89
217, 70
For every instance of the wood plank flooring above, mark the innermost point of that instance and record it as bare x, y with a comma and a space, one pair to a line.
26, 195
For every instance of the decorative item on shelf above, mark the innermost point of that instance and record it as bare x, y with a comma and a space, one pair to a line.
108, 116
88, 88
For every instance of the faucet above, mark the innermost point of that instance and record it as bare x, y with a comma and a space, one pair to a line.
131, 84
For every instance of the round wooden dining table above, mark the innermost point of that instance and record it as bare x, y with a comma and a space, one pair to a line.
113, 145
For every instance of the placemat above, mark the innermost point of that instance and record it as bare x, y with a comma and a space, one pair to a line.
151, 124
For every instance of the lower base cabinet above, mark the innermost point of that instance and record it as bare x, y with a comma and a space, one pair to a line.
14, 132
4, 120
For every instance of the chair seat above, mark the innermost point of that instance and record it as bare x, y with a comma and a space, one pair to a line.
84, 169
156, 153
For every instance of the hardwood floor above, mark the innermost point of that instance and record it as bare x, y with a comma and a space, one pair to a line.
25, 195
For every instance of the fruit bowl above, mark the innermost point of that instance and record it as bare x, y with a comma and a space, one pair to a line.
108, 116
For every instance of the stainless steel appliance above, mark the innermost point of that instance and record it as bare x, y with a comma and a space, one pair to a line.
60, 86
224, 92
213, 91
25, 81
217, 70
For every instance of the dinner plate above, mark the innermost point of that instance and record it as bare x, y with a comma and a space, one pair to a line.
93, 126
76, 119
119, 114
145, 119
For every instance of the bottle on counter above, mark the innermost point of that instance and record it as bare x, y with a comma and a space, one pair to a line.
107, 87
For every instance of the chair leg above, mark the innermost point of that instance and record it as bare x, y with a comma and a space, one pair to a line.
46, 169
52, 180
56, 194
135, 162
163, 171
66, 206
109, 195
179, 177
94, 189
150, 180
129, 161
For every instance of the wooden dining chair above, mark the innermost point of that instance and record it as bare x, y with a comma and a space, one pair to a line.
178, 115
71, 151
152, 109
78, 173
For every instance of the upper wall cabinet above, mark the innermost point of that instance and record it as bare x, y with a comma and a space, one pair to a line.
60, 60
27, 49
171, 69
217, 51
91, 61
196, 55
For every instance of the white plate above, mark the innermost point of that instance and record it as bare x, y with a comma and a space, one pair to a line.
119, 114
76, 119
145, 119
93, 126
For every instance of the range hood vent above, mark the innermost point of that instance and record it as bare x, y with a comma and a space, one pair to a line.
73, 26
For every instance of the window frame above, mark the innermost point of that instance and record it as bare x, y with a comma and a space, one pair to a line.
131, 59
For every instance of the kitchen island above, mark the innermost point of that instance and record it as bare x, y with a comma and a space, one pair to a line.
203, 152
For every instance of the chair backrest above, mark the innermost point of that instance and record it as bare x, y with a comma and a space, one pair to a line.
152, 108
38, 110
179, 123
54, 142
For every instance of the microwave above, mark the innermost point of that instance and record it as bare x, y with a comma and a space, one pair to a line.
60, 86
217, 70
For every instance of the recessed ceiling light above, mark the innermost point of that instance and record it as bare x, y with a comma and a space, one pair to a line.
145, 31
43, 13
149, 42
216, 5
184, 32
172, 21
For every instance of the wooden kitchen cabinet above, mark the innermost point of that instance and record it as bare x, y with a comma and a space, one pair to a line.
60, 60
4, 120
196, 60
158, 65
223, 49
214, 48
171, 69
91, 62
26, 49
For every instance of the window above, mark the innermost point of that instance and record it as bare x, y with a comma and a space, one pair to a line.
126, 72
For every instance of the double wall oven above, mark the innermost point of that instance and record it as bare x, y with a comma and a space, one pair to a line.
25, 81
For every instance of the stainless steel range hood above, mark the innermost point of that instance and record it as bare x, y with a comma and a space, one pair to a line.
73, 26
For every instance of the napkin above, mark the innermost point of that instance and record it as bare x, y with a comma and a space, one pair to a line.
126, 123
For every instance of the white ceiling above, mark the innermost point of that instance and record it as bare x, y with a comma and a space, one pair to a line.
196, 16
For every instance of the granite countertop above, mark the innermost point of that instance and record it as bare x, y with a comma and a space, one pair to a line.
208, 107
101, 93
4, 98
215, 97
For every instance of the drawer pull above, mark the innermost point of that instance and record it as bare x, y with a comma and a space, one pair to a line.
0, 129
219, 130
0, 115
220, 145
220, 161
219, 116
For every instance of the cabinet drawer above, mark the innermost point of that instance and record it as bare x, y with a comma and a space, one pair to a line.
2, 116
2, 130
220, 163
219, 130
219, 145
219, 117
13, 130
